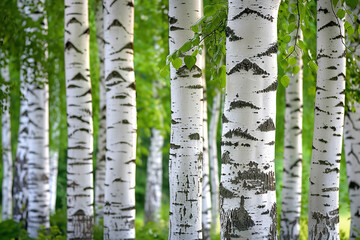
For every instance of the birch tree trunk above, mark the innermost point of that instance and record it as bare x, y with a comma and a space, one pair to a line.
154, 178
247, 189
101, 147
6, 205
186, 145
54, 162
20, 194
328, 125
352, 153
214, 172
80, 192
291, 192
206, 195
119, 210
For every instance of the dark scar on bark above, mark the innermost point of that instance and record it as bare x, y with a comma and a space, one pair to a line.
267, 126
250, 11
247, 65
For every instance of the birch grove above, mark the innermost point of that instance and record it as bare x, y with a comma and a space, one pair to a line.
247, 188
328, 125
101, 146
292, 173
119, 209
186, 146
6, 204
80, 195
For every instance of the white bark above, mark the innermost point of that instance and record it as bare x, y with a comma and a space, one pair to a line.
247, 189
20, 195
186, 145
54, 161
6, 206
206, 194
292, 173
80, 124
352, 154
328, 125
154, 177
101, 147
214, 172
119, 210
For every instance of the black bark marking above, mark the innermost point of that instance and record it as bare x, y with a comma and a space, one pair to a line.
79, 76
83, 225
295, 164
69, 46
329, 24
354, 185
228, 143
332, 189
224, 119
114, 74
328, 170
174, 146
242, 104
130, 4
194, 136
240, 218
267, 126
250, 11
118, 180
231, 34
116, 23
329, 222
194, 86
270, 143
340, 104
225, 158
246, 65
240, 133
85, 93
323, 140
172, 20
324, 10
173, 28
73, 20
332, 68
325, 162
273, 225
272, 87
129, 45
86, 32
226, 193
271, 50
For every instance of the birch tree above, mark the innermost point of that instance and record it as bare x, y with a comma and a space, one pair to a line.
119, 210
154, 177
54, 163
247, 189
101, 147
6, 205
292, 172
186, 146
79, 118
328, 125
214, 172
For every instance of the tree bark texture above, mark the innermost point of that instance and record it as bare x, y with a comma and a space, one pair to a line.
186, 145
119, 210
101, 147
292, 172
54, 163
80, 212
328, 125
214, 172
6, 205
247, 189
154, 177
352, 154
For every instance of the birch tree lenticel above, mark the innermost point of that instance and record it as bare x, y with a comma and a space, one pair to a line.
80, 194
328, 125
247, 188
119, 207
186, 146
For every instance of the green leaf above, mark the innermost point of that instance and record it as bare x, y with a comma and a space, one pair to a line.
287, 38
291, 49
195, 28
177, 63
222, 76
313, 66
186, 47
341, 13
284, 64
189, 61
292, 18
285, 80
352, 3
350, 30
291, 27
359, 30
335, 2
302, 45
292, 61
164, 72
296, 70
